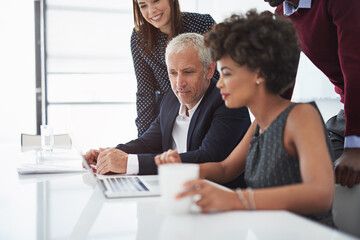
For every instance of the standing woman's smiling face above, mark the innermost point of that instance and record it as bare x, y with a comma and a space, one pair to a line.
157, 13
237, 84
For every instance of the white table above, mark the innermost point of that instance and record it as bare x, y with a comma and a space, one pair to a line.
67, 206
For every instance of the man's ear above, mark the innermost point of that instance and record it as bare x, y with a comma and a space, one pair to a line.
210, 70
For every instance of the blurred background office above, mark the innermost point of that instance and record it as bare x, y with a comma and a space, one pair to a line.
88, 82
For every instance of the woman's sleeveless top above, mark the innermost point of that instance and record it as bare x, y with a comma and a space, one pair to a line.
269, 165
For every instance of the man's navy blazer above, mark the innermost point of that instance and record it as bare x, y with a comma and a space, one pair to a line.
213, 133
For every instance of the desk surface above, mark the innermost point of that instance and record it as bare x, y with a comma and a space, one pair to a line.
68, 206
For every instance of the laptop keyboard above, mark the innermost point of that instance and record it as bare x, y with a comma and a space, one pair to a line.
126, 184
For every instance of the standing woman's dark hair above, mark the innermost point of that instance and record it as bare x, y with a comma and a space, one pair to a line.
149, 31
156, 23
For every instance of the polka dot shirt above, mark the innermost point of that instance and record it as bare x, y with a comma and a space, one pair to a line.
151, 72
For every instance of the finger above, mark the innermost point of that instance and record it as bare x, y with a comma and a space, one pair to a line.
173, 156
204, 201
192, 183
100, 157
358, 178
104, 152
209, 209
167, 156
164, 157
103, 169
174, 153
106, 170
89, 156
91, 162
345, 176
208, 206
90, 159
102, 162
99, 166
99, 170
172, 159
352, 179
338, 173
94, 152
193, 187
188, 193
336, 163
157, 160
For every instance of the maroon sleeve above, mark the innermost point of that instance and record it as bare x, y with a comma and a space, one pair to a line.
345, 15
279, 10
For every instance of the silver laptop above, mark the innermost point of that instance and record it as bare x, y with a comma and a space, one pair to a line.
119, 186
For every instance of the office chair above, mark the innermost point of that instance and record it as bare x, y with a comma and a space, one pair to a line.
346, 209
34, 141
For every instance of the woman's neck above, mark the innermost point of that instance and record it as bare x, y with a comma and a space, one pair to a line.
267, 108
166, 30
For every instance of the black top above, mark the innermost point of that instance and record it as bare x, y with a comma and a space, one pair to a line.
269, 165
150, 69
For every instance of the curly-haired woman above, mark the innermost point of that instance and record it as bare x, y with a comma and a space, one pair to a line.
285, 154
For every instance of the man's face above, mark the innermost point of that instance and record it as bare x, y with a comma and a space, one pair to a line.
274, 3
186, 74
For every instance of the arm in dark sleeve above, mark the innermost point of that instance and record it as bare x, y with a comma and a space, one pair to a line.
147, 147
227, 128
145, 96
149, 142
346, 17
198, 23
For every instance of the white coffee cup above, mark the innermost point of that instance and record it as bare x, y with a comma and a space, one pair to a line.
172, 177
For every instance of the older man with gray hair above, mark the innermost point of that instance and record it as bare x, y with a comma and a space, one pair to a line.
193, 118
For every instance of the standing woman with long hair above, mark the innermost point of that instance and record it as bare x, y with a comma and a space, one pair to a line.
156, 23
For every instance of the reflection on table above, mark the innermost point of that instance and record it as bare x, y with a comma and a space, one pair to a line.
70, 206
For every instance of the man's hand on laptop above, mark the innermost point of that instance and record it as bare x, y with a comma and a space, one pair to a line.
91, 156
170, 156
111, 160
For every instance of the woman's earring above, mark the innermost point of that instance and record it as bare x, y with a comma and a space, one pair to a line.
257, 82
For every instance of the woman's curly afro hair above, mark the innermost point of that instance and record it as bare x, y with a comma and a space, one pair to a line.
260, 41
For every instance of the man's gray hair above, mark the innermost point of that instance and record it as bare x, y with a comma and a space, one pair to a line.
186, 40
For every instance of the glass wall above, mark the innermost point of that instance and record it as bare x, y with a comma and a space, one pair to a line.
17, 70
90, 80
91, 84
